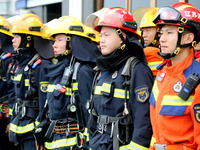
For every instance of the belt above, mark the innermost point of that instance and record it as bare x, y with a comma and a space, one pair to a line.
172, 147
66, 128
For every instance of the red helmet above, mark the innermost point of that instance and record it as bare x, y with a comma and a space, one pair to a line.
183, 15
180, 14
118, 17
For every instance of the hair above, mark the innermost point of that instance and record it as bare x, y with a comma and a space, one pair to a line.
194, 31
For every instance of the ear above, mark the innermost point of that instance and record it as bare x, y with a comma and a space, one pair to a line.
124, 35
189, 37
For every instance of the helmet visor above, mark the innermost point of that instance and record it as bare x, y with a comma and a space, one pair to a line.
168, 14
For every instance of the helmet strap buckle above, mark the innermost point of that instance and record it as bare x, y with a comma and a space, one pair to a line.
184, 20
194, 43
180, 29
177, 50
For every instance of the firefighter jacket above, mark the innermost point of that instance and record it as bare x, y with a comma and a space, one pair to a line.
30, 93
175, 122
153, 59
109, 101
58, 102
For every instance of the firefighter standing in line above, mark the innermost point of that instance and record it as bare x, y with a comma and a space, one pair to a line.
150, 36
30, 83
6, 86
70, 80
119, 114
174, 100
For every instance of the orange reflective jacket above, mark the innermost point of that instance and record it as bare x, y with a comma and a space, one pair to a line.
175, 122
153, 59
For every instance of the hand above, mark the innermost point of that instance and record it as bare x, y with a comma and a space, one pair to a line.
8, 131
42, 147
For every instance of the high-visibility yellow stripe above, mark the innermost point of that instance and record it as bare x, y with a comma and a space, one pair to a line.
26, 82
118, 93
18, 77
61, 143
106, 87
153, 141
75, 86
155, 90
135, 146
21, 129
10, 111
85, 133
51, 88
153, 65
176, 101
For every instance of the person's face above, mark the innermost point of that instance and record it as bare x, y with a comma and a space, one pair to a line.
149, 34
168, 38
16, 41
59, 44
109, 40
197, 48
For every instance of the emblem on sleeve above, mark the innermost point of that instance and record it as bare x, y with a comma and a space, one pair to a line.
43, 86
142, 93
196, 109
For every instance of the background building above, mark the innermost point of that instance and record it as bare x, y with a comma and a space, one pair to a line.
49, 9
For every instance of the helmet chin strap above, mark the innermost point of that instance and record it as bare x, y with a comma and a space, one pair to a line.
178, 46
119, 32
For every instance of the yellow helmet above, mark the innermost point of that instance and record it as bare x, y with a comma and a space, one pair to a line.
92, 34
28, 24
147, 20
47, 29
5, 26
74, 25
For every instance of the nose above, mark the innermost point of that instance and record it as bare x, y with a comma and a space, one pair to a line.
162, 38
54, 45
13, 40
144, 33
102, 39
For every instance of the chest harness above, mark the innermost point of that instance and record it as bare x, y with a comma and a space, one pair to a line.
69, 125
29, 106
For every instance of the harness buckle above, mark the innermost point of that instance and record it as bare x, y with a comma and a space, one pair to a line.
101, 128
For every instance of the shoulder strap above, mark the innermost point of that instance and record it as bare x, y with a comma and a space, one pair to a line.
129, 67
75, 73
127, 74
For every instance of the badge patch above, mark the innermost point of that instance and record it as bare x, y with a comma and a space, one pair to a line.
114, 75
26, 68
44, 86
177, 86
196, 109
160, 76
142, 93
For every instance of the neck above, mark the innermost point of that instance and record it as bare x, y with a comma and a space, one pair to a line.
184, 52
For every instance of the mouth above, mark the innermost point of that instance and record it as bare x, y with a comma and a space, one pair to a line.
102, 46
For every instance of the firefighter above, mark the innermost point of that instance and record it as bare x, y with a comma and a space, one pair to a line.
6, 84
175, 96
70, 80
30, 83
150, 34
119, 107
